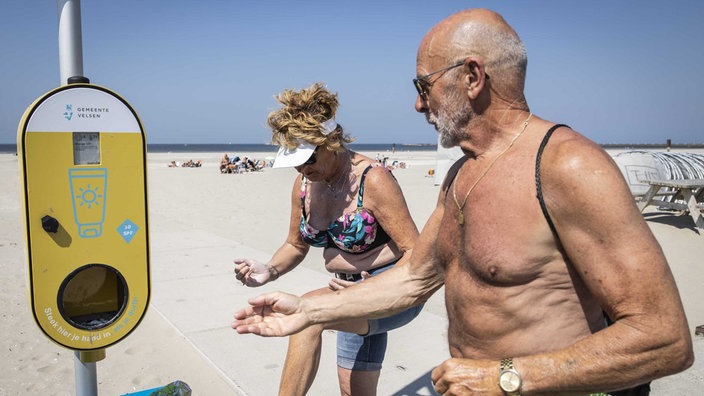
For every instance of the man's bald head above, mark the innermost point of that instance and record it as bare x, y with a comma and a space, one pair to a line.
482, 33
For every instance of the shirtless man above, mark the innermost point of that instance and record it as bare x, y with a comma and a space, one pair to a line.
528, 281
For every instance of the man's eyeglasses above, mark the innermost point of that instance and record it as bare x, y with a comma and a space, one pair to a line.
423, 85
313, 158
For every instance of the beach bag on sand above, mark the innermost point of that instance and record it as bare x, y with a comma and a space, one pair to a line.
176, 388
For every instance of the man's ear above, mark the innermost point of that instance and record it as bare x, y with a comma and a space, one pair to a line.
475, 78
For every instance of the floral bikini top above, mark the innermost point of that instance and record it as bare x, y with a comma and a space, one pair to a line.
354, 232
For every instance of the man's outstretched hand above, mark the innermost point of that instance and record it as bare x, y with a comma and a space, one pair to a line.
272, 315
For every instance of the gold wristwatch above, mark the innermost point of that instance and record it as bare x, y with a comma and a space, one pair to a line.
509, 380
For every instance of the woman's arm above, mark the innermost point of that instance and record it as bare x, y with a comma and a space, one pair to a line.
279, 314
384, 199
287, 257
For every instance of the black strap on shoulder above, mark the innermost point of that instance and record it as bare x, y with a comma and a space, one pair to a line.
360, 194
303, 199
452, 173
538, 188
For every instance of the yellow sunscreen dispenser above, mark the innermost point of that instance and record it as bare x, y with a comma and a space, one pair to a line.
82, 163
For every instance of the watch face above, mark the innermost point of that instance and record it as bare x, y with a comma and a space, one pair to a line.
510, 381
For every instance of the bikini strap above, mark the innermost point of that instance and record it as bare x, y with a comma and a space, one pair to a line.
303, 196
360, 194
538, 188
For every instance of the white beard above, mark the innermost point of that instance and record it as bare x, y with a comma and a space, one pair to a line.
450, 120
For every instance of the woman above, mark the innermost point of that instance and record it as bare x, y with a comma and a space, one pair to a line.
352, 207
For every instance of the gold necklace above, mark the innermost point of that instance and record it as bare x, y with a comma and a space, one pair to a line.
460, 214
336, 187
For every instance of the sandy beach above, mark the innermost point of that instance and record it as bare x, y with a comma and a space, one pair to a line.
200, 220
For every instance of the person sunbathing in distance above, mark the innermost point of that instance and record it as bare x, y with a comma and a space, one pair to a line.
225, 164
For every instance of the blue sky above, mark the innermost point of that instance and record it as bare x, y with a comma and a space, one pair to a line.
207, 71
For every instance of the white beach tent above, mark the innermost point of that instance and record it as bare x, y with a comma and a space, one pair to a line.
637, 166
640, 165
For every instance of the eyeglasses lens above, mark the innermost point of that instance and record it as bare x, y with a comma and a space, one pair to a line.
420, 85
423, 85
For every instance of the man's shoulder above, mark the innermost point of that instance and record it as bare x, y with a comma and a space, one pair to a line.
573, 165
568, 148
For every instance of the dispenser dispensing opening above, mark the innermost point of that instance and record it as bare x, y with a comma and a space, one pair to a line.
93, 296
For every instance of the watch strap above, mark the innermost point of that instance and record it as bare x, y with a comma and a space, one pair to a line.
507, 364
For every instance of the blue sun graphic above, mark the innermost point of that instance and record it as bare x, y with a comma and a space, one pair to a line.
89, 196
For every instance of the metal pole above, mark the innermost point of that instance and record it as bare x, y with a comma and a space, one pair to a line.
70, 39
71, 65
86, 377
84, 365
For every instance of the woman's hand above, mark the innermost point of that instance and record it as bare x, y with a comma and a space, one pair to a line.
339, 284
252, 273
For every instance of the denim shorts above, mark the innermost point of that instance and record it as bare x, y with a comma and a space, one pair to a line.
366, 353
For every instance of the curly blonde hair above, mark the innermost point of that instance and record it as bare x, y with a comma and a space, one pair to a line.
301, 116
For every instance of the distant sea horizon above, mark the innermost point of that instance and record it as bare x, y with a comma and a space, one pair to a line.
257, 147
232, 148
